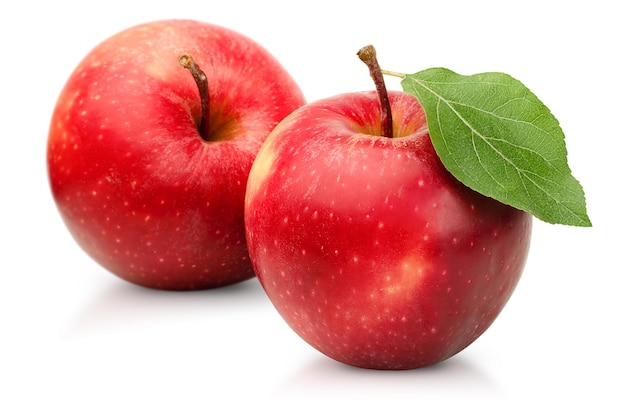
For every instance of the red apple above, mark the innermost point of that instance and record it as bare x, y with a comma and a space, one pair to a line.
367, 246
143, 188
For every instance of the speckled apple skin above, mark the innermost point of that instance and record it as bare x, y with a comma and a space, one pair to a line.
138, 188
368, 248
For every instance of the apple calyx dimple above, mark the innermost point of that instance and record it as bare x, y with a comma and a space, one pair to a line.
367, 54
200, 78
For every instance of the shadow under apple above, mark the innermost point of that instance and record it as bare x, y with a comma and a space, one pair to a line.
458, 376
122, 306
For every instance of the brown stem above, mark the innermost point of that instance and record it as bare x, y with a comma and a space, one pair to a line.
187, 62
368, 55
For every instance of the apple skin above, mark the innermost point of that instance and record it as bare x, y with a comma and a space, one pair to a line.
367, 246
138, 188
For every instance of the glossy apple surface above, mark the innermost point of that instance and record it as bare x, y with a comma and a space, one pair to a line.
138, 187
368, 248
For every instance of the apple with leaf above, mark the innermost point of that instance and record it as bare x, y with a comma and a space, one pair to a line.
389, 229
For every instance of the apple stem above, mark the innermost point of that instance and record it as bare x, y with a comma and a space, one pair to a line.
199, 76
368, 55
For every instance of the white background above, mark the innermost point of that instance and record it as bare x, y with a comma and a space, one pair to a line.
75, 338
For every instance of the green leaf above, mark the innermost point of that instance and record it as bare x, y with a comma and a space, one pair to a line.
495, 136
